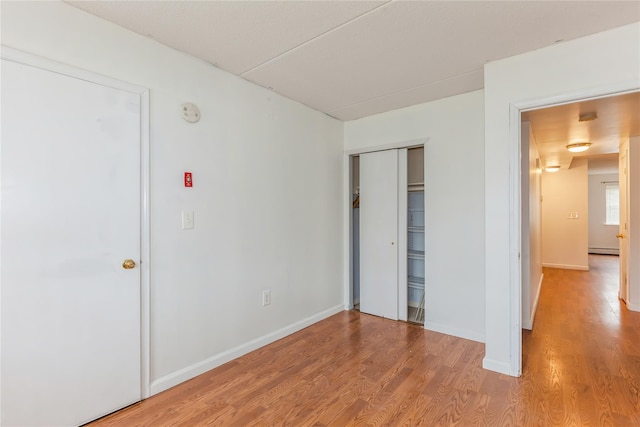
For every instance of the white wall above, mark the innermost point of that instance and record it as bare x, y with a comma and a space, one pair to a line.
531, 226
454, 206
602, 63
565, 241
267, 193
602, 237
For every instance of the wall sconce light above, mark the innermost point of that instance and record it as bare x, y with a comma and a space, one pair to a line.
578, 147
552, 168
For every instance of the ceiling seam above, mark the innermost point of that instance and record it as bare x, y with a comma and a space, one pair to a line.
386, 3
407, 90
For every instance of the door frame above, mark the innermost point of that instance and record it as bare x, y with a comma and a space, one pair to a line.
24, 58
623, 244
347, 215
515, 194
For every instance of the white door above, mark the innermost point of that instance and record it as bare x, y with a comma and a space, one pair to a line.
70, 217
379, 233
623, 185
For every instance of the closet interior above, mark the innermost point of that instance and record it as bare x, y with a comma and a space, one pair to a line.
355, 228
415, 238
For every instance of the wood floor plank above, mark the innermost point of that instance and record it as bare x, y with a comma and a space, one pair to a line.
581, 367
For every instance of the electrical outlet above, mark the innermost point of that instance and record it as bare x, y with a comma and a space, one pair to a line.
266, 297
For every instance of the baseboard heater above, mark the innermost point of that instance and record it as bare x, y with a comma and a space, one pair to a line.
604, 251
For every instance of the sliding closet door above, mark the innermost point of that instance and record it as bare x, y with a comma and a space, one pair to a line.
379, 233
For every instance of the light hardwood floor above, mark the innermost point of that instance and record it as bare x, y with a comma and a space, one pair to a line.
581, 367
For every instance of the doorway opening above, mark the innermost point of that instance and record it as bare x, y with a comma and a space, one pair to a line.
568, 202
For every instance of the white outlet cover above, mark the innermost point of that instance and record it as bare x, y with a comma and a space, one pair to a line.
190, 112
187, 220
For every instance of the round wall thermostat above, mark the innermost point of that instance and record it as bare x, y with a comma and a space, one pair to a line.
190, 112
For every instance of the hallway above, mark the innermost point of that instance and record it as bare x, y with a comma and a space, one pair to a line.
581, 362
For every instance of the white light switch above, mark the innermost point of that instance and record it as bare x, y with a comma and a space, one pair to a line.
573, 215
187, 220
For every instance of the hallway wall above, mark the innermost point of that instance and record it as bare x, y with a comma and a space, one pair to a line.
602, 237
633, 233
565, 240
531, 225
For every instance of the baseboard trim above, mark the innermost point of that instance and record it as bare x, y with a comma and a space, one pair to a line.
175, 378
633, 307
567, 267
497, 366
456, 332
604, 251
528, 323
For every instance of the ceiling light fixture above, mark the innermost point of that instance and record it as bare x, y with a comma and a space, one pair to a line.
578, 147
587, 117
552, 168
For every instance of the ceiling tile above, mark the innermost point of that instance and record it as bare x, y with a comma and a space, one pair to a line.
354, 58
233, 35
406, 45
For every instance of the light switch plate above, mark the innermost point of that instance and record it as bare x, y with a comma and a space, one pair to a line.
187, 220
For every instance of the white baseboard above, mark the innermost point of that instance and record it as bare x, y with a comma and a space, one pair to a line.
497, 366
456, 332
567, 267
528, 323
203, 366
633, 307
604, 251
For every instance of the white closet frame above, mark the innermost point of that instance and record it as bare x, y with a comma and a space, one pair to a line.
348, 221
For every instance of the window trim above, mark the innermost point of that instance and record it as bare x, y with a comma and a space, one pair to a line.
608, 206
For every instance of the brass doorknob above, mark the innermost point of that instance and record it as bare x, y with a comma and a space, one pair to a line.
620, 236
128, 264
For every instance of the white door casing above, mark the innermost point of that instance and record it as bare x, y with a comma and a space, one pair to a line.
623, 186
379, 233
72, 153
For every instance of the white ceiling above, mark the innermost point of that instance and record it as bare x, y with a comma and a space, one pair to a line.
351, 59
555, 127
